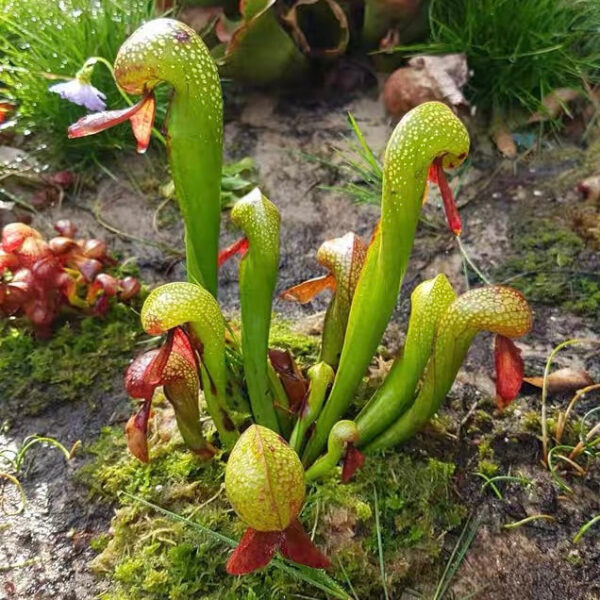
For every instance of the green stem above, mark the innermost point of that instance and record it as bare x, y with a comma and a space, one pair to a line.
321, 376
259, 220
342, 433
168, 50
429, 301
427, 132
498, 309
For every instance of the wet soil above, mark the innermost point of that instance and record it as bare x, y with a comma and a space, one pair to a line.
45, 551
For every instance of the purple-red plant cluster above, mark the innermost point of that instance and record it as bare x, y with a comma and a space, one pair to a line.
39, 278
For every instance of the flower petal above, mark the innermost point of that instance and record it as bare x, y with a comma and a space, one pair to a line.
255, 550
509, 371
81, 93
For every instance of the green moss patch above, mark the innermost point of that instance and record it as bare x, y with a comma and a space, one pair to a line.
80, 360
547, 267
305, 348
152, 557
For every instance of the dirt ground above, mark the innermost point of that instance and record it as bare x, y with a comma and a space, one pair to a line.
44, 551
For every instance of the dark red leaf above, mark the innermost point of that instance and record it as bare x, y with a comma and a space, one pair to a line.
509, 371
297, 546
255, 550
295, 385
354, 459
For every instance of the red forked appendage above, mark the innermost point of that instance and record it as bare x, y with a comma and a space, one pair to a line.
257, 548
509, 371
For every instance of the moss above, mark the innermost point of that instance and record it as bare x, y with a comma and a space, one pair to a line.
80, 360
151, 557
531, 421
488, 468
305, 348
547, 266
486, 463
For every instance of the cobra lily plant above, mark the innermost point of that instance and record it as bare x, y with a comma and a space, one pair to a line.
283, 432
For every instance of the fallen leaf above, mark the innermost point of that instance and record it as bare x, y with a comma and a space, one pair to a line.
554, 104
427, 78
563, 380
503, 139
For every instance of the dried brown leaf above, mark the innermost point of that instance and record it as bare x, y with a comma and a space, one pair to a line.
562, 380
504, 140
554, 104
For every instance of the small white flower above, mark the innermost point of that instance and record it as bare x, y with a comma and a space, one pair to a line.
82, 92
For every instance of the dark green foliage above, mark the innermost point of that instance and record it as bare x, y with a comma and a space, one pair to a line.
152, 557
42, 40
548, 267
80, 360
519, 50
360, 168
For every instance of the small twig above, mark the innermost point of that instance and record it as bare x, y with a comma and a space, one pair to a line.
469, 414
157, 213
25, 563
